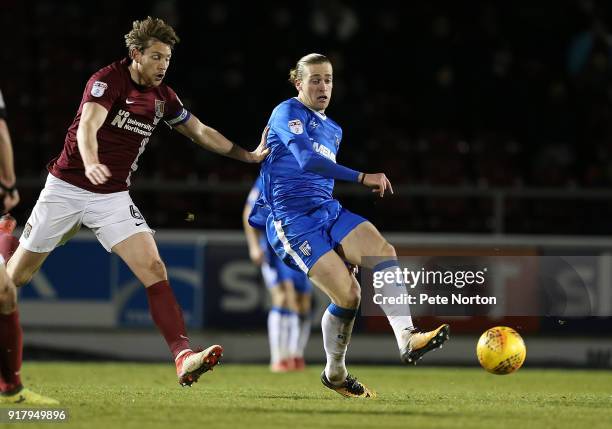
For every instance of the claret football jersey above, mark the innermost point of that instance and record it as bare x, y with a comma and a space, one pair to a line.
134, 112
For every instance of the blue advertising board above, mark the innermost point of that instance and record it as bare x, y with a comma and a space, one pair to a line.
82, 285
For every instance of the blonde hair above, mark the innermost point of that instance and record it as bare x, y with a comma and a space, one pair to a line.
143, 32
297, 73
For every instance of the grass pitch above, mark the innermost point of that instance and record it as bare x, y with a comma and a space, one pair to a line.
119, 395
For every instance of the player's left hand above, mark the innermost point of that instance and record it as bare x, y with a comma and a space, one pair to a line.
260, 153
256, 255
378, 182
9, 200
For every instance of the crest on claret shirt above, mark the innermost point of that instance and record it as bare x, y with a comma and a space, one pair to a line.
159, 108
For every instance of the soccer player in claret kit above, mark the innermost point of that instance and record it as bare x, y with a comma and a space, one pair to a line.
311, 231
88, 185
9, 341
8, 189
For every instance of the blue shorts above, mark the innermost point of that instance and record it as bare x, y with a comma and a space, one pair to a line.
302, 241
275, 271
301, 284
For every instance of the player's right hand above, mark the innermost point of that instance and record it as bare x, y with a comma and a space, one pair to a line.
256, 255
97, 173
261, 151
378, 182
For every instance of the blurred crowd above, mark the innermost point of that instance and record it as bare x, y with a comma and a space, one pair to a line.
485, 94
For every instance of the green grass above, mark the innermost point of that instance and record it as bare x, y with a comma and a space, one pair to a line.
247, 396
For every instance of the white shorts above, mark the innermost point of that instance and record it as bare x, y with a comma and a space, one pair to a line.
62, 208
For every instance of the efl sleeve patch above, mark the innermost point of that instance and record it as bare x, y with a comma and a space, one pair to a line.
295, 126
98, 88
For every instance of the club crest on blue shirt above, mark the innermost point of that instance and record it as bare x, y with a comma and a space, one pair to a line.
295, 126
314, 124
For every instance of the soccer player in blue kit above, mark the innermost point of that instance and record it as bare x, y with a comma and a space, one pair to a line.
290, 292
310, 230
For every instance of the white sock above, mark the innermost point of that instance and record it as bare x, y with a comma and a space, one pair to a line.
336, 337
274, 331
293, 333
398, 315
284, 334
305, 326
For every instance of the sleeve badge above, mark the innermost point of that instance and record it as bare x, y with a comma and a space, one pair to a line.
98, 88
295, 126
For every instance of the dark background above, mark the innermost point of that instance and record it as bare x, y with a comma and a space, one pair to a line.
482, 95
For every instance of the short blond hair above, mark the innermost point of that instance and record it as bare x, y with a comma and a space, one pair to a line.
144, 32
297, 73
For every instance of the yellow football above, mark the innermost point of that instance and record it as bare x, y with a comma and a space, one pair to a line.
501, 350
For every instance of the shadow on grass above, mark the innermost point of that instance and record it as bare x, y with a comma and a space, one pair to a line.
352, 412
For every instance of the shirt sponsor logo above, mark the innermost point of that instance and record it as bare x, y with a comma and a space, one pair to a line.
98, 88
122, 120
305, 248
324, 151
296, 126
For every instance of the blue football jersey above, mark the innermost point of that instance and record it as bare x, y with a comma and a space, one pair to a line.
288, 189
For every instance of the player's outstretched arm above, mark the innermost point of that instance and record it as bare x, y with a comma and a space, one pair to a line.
214, 141
309, 160
9, 194
92, 118
378, 182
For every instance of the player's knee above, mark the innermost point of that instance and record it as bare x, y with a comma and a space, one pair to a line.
278, 301
352, 297
21, 278
277, 297
8, 297
303, 305
387, 249
285, 288
157, 267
